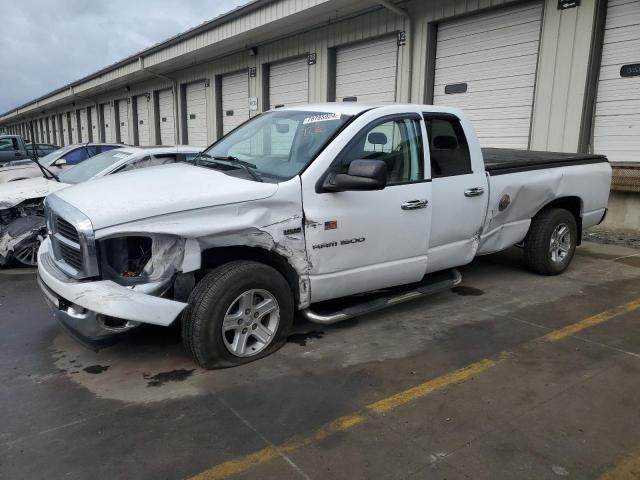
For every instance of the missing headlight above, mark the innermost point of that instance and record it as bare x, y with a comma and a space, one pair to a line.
126, 257
135, 259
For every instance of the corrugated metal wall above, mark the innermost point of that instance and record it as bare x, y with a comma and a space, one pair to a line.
560, 79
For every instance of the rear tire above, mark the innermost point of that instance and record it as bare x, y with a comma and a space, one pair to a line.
240, 312
551, 242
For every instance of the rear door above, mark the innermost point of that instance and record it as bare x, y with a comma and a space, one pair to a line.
459, 194
359, 241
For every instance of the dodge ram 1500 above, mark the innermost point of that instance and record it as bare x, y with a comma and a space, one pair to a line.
303, 205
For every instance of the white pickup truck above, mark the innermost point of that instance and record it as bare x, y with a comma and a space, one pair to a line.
303, 205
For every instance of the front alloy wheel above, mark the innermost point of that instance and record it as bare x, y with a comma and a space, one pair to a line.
239, 312
251, 323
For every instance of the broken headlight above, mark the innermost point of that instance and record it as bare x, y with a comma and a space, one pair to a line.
133, 260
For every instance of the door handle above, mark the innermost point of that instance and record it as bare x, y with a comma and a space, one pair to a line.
474, 192
414, 204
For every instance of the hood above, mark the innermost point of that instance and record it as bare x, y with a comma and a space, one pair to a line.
9, 171
150, 192
14, 193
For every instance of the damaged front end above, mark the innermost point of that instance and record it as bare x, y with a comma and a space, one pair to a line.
22, 229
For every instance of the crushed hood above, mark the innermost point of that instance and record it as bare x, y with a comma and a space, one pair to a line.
150, 192
14, 193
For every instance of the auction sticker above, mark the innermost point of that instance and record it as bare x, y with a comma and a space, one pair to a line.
324, 117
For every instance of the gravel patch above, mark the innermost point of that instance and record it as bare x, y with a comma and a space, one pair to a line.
613, 237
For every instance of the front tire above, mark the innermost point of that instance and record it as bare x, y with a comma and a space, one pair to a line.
240, 312
551, 241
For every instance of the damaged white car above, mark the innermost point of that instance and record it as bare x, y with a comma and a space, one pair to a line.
22, 224
303, 205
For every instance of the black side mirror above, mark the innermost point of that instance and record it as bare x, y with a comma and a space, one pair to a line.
362, 175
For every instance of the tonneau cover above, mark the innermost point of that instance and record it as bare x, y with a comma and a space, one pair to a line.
507, 160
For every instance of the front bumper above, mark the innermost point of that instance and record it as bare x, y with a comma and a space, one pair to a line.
98, 310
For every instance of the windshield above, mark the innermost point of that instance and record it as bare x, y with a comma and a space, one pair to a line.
92, 166
278, 144
48, 159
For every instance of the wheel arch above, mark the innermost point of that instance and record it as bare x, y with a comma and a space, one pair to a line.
217, 256
573, 204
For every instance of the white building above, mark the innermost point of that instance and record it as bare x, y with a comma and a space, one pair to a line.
559, 75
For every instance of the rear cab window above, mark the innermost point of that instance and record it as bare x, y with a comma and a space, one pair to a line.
448, 147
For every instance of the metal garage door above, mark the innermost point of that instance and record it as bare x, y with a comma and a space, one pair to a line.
54, 130
196, 100
84, 126
62, 129
123, 121
47, 129
142, 120
109, 132
289, 83
93, 121
167, 118
74, 127
486, 65
235, 100
617, 122
366, 71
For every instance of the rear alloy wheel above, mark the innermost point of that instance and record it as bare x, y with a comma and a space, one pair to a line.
551, 241
239, 312
560, 243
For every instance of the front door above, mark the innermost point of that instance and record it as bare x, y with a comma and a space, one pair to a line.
459, 194
359, 241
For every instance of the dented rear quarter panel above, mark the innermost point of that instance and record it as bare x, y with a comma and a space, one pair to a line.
530, 191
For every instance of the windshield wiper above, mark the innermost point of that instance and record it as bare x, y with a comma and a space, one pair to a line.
46, 171
250, 168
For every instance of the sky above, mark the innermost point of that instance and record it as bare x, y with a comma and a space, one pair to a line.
46, 44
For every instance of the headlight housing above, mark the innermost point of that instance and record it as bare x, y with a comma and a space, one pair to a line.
137, 259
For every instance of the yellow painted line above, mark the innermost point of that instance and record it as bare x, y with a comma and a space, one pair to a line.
427, 388
240, 465
243, 464
627, 469
602, 317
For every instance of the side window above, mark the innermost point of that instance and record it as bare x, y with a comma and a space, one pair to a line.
448, 147
92, 150
6, 144
397, 142
76, 156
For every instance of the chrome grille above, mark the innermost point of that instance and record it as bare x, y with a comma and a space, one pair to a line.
67, 230
71, 255
72, 239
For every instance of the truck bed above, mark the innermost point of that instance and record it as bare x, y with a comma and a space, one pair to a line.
500, 161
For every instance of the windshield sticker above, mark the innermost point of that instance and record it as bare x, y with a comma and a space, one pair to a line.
321, 118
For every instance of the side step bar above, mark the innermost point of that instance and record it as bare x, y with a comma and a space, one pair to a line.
433, 283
